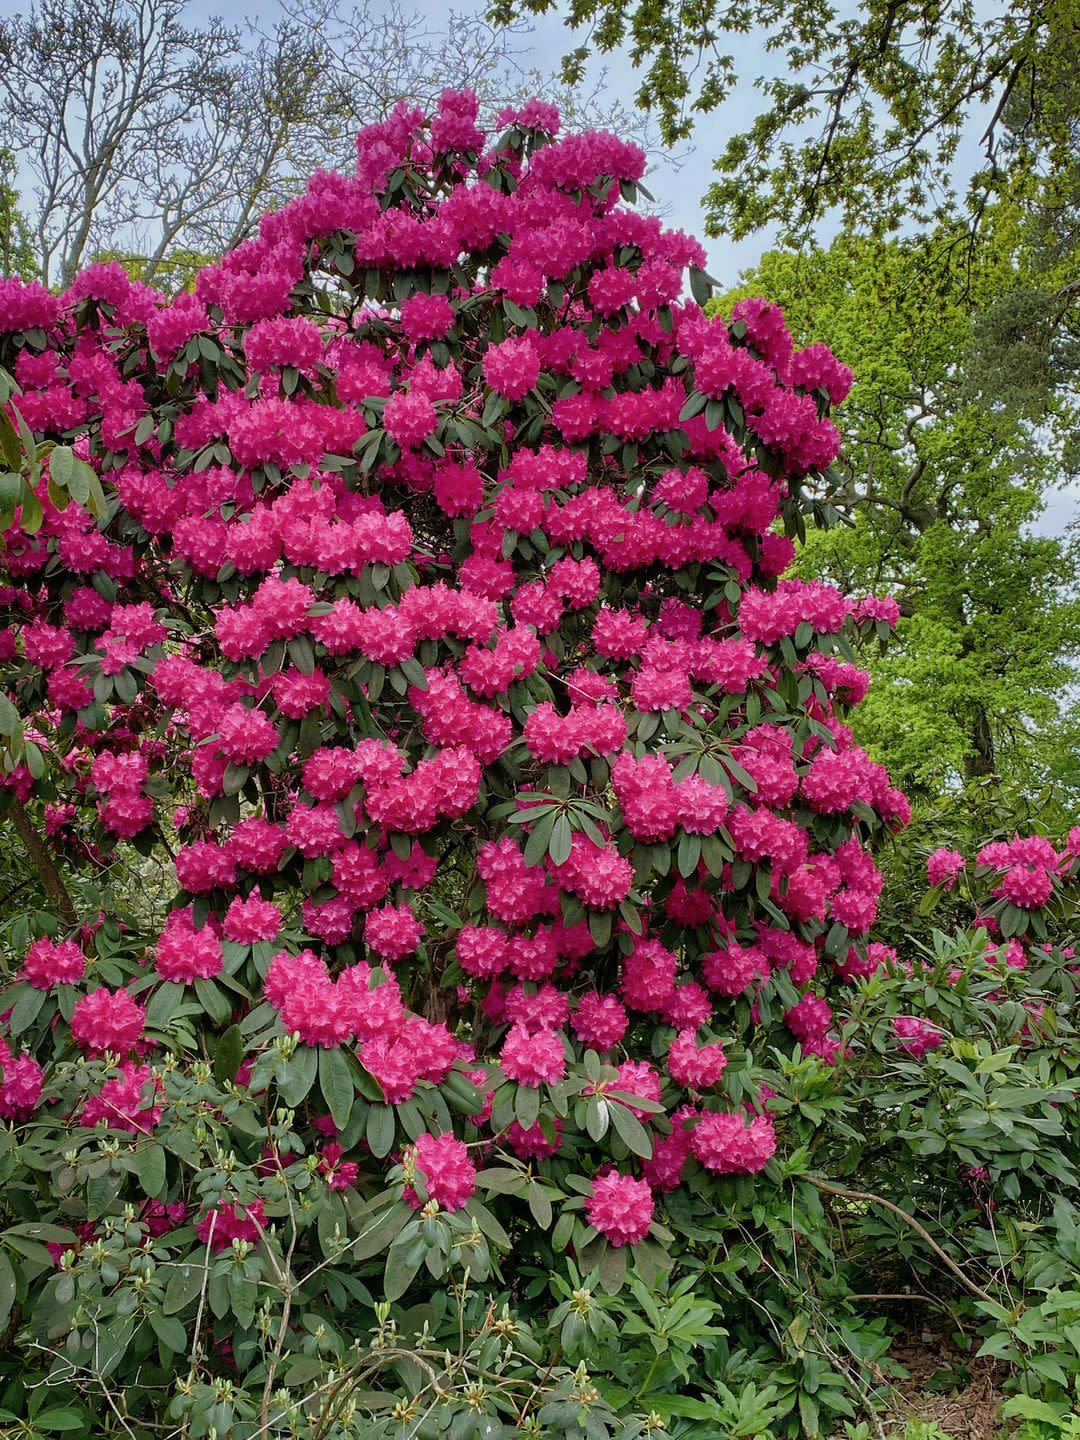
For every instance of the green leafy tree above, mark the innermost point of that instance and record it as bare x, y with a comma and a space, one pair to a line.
1026, 343
16, 241
943, 494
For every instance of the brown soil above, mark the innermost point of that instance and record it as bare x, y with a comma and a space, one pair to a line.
963, 1396
944, 1386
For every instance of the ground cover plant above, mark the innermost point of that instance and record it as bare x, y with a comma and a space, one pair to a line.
452, 1007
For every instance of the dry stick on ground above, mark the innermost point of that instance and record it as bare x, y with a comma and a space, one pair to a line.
915, 1295
43, 862
843, 1194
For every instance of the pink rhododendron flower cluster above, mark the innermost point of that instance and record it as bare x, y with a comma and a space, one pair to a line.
185, 954
442, 1166
20, 1090
48, 964
944, 866
126, 1102
620, 1207
731, 1145
222, 1224
1024, 873
916, 1035
108, 1021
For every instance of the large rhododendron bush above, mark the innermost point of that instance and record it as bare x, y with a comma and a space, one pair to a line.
400, 613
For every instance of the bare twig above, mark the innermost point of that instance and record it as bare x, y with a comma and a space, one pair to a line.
864, 1195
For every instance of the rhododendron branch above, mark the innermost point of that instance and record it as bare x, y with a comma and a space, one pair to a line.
72, 1367
865, 1197
538, 1388
279, 1339
197, 1331
285, 1281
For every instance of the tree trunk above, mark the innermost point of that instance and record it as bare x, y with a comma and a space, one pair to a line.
981, 761
43, 862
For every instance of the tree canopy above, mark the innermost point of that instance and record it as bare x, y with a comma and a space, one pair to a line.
942, 493
865, 112
16, 241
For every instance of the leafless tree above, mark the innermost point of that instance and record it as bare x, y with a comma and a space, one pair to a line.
92, 91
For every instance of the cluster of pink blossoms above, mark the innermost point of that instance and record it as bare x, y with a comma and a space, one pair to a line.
620, 1207
108, 1021
130, 1101
1014, 887
185, 954
441, 1164
20, 1089
732, 1144
1022, 871
916, 1035
1029, 867
223, 1224
943, 867
47, 964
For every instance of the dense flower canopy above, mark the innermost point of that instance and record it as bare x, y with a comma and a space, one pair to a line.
413, 586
